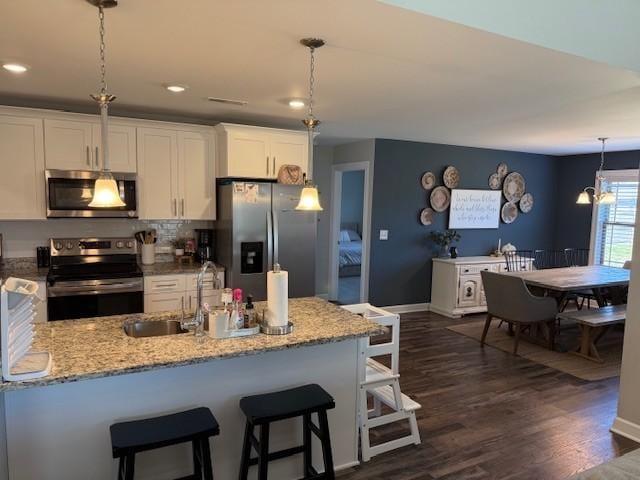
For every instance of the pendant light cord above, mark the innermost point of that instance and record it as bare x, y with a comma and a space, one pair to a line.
103, 66
602, 155
312, 69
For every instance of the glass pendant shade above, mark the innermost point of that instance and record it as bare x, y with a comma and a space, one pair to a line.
309, 200
106, 193
608, 198
583, 199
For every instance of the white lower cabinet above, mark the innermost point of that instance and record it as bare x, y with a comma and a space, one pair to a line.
174, 292
456, 284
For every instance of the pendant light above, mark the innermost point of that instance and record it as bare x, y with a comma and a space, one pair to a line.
600, 197
309, 197
105, 190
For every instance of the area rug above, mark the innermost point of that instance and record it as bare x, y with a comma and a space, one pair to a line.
610, 349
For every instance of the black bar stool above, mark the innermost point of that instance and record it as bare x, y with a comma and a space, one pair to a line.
195, 426
303, 401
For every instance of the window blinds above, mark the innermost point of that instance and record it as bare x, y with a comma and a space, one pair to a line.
616, 222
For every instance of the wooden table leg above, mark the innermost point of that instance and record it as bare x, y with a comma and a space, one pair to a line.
588, 337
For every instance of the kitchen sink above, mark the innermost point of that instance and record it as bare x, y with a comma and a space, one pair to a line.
153, 328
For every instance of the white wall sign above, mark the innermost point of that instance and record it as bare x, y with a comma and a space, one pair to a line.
474, 209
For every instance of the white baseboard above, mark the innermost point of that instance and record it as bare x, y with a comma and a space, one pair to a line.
408, 308
627, 429
346, 466
443, 312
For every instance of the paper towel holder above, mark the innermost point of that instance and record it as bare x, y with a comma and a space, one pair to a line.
276, 330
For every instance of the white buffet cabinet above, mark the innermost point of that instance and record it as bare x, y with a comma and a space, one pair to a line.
456, 284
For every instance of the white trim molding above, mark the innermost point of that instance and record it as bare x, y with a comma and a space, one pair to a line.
627, 429
334, 250
408, 308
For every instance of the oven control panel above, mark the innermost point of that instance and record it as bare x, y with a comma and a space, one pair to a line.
91, 246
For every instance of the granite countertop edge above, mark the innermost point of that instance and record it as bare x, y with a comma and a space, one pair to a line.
6, 386
73, 361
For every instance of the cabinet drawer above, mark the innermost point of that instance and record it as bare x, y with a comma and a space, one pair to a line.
162, 302
192, 281
474, 269
164, 283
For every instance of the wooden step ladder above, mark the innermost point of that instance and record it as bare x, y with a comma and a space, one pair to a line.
382, 384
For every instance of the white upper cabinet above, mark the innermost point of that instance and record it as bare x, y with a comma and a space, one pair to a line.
122, 147
257, 152
157, 173
69, 144
196, 176
22, 166
176, 174
76, 145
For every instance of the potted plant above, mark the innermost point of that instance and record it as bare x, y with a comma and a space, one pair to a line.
443, 241
178, 245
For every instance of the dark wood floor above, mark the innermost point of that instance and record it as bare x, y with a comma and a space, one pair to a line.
488, 415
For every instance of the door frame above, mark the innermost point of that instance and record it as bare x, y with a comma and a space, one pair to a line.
336, 177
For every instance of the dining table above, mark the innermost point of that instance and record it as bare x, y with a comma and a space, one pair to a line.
608, 284
562, 281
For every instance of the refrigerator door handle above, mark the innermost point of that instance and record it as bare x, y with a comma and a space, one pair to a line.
269, 241
275, 237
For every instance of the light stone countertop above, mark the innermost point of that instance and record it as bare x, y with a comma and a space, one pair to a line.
98, 347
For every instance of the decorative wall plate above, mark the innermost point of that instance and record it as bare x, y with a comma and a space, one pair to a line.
513, 187
494, 181
502, 170
428, 180
509, 212
440, 198
426, 216
451, 177
526, 203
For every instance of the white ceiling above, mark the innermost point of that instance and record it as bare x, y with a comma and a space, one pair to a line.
386, 72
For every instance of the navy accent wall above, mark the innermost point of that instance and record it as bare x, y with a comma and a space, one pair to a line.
573, 227
400, 268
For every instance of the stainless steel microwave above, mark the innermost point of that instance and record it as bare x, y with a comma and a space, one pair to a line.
69, 193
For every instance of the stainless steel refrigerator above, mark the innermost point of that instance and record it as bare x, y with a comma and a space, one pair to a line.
257, 225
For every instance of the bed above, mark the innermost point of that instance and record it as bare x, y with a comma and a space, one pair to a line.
350, 250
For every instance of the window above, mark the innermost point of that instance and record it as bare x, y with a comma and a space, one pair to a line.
613, 225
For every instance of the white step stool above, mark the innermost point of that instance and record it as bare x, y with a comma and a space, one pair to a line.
383, 384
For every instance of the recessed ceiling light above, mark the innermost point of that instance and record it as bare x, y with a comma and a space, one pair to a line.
15, 67
296, 104
176, 88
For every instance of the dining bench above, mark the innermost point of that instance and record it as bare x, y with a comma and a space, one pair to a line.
593, 325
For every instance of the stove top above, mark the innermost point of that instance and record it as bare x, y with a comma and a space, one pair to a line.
92, 259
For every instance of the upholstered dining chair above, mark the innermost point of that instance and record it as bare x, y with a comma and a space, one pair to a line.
509, 299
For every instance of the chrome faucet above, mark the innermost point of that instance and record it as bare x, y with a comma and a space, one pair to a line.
198, 319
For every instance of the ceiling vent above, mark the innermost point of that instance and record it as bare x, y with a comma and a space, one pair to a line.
228, 101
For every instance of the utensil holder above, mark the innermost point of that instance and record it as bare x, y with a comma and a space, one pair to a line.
148, 254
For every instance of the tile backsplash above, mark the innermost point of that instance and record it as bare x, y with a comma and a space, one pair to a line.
20, 238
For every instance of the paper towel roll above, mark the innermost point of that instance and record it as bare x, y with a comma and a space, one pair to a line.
277, 298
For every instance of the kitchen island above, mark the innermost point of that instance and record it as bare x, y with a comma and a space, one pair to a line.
58, 427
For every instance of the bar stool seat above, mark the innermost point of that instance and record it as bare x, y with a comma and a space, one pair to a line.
195, 426
262, 410
271, 407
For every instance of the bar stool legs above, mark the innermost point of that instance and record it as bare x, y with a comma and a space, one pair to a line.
261, 447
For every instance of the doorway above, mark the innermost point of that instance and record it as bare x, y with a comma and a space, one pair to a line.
350, 233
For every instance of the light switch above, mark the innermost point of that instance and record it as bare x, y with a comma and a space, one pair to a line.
384, 234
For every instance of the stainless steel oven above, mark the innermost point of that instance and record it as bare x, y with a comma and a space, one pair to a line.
93, 277
70, 191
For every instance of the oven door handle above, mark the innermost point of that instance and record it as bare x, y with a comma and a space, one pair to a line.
69, 290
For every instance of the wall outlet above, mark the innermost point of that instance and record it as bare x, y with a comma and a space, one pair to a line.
164, 249
384, 234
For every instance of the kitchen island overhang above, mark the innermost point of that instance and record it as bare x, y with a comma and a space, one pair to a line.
107, 377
